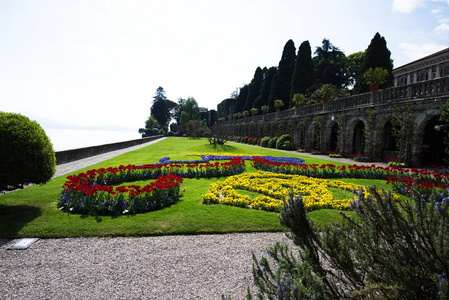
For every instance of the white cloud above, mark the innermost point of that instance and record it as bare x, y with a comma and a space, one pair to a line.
415, 51
442, 29
406, 6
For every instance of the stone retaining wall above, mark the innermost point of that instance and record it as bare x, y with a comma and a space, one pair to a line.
66, 156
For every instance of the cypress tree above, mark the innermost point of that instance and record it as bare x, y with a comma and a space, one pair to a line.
241, 99
303, 76
377, 55
281, 86
254, 88
262, 98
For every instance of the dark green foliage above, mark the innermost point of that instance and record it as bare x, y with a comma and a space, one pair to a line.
281, 85
303, 76
26, 153
240, 101
284, 142
161, 108
170, 133
190, 111
254, 88
177, 110
329, 64
151, 122
272, 142
262, 98
353, 64
264, 142
444, 116
377, 55
226, 107
390, 250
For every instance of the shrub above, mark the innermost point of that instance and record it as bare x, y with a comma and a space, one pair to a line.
244, 140
264, 141
280, 143
154, 131
272, 142
161, 131
259, 141
170, 133
287, 145
26, 153
390, 250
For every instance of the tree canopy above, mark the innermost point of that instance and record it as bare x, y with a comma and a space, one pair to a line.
303, 77
329, 64
162, 107
264, 93
190, 111
377, 55
281, 85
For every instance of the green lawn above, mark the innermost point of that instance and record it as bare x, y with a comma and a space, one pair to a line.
33, 212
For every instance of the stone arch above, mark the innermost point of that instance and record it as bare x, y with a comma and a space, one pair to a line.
300, 135
445, 70
423, 75
429, 145
332, 136
402, 80
356, 137
387, 140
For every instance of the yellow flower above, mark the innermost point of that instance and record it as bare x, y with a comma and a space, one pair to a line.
274, 188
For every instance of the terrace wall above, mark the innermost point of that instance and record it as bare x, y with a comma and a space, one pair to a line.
80, 153
343, 123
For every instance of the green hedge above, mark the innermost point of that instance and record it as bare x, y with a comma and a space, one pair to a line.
26, 153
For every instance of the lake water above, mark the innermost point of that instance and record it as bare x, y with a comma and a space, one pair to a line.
66, 139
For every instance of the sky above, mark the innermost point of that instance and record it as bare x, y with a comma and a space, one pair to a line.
99, 63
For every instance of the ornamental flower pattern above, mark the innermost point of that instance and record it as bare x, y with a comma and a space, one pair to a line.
93, 192
276, 188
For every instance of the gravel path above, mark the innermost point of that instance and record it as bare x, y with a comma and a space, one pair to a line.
166, 267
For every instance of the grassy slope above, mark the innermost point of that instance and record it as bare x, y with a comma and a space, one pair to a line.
33, 212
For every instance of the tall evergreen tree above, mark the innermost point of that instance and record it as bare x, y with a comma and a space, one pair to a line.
281, 85
241, 99
262, 98
329, 63
377, 55
254, 88
161, 108
303, 77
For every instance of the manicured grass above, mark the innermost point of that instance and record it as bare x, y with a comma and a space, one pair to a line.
33, 212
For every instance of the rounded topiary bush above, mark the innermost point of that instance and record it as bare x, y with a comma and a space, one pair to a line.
272, 142
154, 131
281, 142
264, 142
170, 133
26, 153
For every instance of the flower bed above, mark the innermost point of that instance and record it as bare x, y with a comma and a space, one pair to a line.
92, 192
79, 196
275, 188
